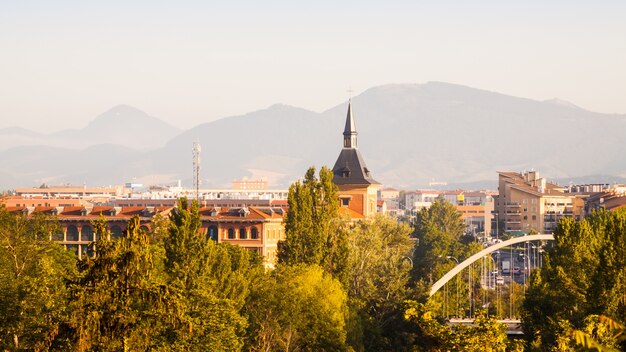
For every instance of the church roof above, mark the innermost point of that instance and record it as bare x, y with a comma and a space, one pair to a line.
350, 169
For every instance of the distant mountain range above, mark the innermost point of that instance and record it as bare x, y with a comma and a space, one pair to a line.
122, 125
409, 134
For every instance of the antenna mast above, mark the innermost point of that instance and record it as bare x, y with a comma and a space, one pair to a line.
196, 168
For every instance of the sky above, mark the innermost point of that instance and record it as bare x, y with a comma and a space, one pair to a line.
62, 63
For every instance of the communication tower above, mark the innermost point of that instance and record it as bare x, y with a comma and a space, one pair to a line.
196, 169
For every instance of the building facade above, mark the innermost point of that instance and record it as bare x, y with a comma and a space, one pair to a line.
526, 202
255, 228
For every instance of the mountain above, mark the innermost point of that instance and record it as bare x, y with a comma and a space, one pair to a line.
16, 136
121, 125
409, 135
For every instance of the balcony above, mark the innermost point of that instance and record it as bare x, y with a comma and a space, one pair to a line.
512, 205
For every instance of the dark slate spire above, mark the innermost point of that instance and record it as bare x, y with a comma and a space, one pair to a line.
350, 168
349, 132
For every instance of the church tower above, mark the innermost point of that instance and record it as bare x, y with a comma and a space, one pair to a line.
357, 188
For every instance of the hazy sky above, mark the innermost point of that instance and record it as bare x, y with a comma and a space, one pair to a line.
187, 62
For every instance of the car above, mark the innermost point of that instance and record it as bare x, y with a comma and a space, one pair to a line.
516, 270
499, 280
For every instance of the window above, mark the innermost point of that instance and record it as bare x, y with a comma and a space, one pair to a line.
86, 233
116, 232
254, 234
242, 234
534, 217
212, 233
345, 202
72, 233
231, 234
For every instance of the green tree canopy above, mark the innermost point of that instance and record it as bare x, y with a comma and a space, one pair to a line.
118, 303
209, 284
298, 308
313, 232
439, 230
379, 266
584, 274
33, 273
486, 334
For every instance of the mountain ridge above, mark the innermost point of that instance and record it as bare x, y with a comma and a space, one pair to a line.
409, 134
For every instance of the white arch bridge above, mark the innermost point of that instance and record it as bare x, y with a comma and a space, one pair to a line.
467, 262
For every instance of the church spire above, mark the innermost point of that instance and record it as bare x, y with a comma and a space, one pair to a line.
349, 132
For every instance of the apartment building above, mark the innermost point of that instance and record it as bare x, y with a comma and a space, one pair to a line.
527, 202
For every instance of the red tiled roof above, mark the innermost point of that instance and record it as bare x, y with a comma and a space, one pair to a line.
104, 210
72, 211
15, 209
44, 209
130, 211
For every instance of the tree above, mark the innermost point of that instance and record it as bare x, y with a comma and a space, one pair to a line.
486, 334
118, 302
313, 232
584, 274
297, 308
33, 272
208, 285
440, 231
378, 274
600, 333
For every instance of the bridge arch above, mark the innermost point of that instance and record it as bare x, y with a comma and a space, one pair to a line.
467, 262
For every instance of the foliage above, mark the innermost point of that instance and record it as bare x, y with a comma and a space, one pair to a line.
313, 233
208, 285
584, 274
378, 283
600, 333
118, 305
297, 308
439, 231
33, 272
486, 334
159, 229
